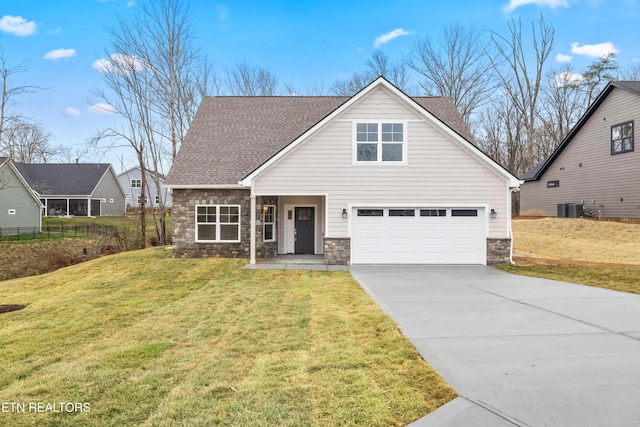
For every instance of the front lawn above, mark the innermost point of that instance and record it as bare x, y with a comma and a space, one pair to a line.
603, 253
141, 338
624, 278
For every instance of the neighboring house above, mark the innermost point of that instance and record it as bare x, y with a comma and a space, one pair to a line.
131, 181
375, 178
19, 205
595, 166
75, 189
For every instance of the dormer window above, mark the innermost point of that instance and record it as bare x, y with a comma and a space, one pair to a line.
622, 138
380, 142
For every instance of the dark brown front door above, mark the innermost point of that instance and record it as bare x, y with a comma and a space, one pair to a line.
304, 230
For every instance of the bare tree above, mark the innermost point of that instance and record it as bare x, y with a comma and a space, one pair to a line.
377, 66
521, 76
155, 82
27, 143
500, 131
246, 79
456, 65
350, 87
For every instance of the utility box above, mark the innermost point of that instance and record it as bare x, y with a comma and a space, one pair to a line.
575, 210
562, 210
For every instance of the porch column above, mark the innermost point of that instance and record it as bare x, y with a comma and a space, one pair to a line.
252, 250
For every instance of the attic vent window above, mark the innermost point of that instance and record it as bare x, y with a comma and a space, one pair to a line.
622, 138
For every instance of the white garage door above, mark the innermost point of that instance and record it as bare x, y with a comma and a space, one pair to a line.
418, 236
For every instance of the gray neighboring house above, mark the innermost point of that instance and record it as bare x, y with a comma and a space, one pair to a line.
596, 165
378, 177
75, 189
131, 182
20, 207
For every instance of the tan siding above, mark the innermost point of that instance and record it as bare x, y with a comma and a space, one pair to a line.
587, 170
379, 105
438, 172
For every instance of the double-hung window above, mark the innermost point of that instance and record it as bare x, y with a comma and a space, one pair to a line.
622, 138
269, 223
380, 142
217, 223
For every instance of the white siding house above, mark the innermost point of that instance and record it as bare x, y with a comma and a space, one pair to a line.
379, 178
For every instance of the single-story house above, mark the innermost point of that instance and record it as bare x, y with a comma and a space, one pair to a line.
378, 177
75, 189
131, 181
594, 171
20, 207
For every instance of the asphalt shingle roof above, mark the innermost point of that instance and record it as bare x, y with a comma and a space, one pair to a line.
230, 136
63, 179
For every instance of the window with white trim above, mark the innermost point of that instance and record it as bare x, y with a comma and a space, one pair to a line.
140, 199
218, 223
380, 142
269, 223
157, 199
136, 183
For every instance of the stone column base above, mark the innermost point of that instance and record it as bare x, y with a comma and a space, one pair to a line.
337, 250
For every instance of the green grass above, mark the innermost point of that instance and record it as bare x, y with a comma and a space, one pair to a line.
150, 340
619, 278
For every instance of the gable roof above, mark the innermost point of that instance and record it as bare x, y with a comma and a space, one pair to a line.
7, 162
68, 179
150, 172
536, 172
231, 137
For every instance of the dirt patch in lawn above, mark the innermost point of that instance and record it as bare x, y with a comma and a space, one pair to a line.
7, 308
569, 241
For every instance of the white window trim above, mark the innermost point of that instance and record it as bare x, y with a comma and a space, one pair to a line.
379, 142
137, 180
146, 201
265, 223
217, 224
157, 199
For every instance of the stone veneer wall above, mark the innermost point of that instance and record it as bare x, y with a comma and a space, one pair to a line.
337, 250
498, 251
184, 226
265, 249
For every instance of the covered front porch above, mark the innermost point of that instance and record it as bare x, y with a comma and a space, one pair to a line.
291, 226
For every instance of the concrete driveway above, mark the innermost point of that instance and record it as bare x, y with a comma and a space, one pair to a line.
518, 350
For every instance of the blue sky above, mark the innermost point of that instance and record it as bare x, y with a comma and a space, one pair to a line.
304, 42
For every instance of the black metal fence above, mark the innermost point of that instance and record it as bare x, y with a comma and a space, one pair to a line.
55, 232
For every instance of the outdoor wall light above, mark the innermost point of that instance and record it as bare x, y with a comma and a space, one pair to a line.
493, 213
344, 213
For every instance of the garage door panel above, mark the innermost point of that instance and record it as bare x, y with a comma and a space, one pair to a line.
420, 239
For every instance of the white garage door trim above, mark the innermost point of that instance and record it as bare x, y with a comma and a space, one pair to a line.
418, 234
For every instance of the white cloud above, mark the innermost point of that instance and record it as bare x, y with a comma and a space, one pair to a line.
57, 30
514, 4
17, 25
118, 63
594, 50
385, 38
102, 108
60, 54
566, 78
563, 58
70, 111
